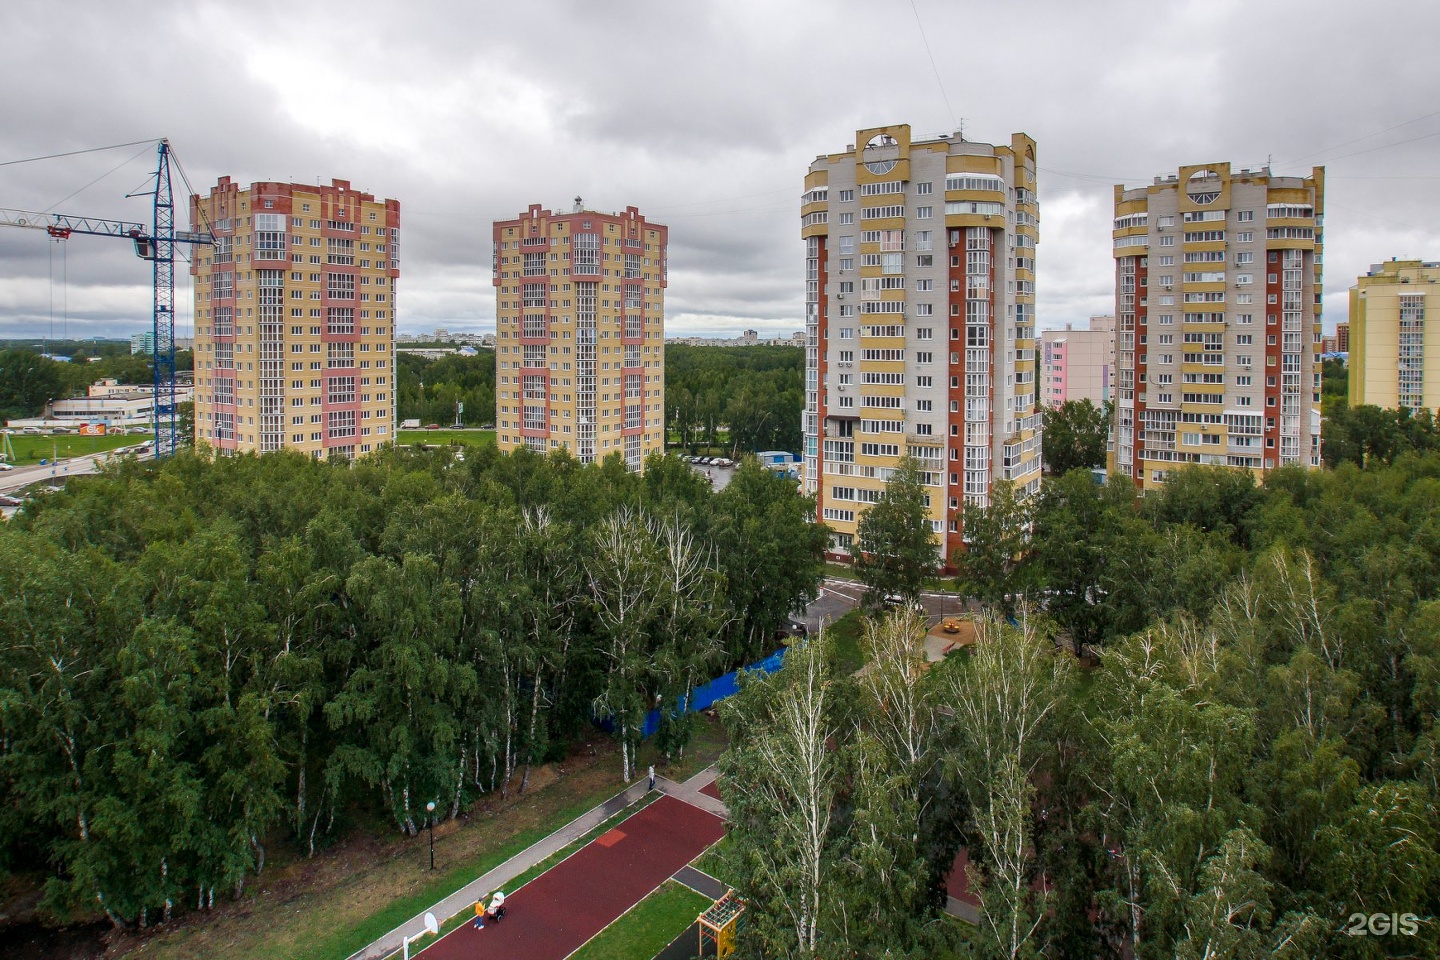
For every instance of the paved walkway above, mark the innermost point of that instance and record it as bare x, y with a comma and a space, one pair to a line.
689, 791
498, 878
563, 908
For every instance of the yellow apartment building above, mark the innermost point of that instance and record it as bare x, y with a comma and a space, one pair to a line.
295, 318
1217, 300
1392, 363
580, 333
920, 323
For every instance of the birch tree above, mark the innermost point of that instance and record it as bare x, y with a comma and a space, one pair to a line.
783, 777
624, 571
1001, 705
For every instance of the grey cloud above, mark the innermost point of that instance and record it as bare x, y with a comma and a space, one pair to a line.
706, 116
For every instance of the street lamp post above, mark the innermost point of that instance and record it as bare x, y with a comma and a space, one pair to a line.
430, 809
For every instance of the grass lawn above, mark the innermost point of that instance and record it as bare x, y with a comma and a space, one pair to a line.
329, 907
473, 438
346, 897
845, 634
33, 449
706, 745
649, 927
714, 863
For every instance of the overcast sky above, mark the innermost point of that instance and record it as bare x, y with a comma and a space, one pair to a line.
703, 114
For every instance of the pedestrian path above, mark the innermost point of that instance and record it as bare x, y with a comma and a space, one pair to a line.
496, 879
562, 909
691, 791
702, 883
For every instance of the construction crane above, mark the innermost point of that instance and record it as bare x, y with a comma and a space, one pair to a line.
155, 243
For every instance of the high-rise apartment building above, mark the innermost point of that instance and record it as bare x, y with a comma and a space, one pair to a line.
1342, 337
920, 323
1079, 364
1392, 361
1217, 297
580, 333
295, 318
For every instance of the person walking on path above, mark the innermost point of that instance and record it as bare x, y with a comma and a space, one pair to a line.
479, 914
652, 776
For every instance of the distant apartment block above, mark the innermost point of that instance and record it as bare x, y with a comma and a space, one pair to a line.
1217, 299
580, 333
1079, 364
1342, 337
920, 323
1393, 363
143, 343
295, 318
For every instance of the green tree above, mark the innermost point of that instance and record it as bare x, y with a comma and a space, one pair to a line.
896, 548
1091, 548
783, 781
1003, 706
993, 567
1076, 434
27, 382
399, 705
770, 549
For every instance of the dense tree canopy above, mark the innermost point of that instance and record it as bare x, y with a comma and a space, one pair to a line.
755, 392
198, 659
1366, 433
1252, 762
895, 546
1075, 436
429, 389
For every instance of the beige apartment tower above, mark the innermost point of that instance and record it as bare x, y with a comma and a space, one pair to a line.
920, 323
1217, 300
580, 333
295, 319
1392, 361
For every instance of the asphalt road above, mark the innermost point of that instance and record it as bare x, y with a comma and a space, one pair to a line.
839, 597
74, 467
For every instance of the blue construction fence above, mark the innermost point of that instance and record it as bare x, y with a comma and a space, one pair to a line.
703, 698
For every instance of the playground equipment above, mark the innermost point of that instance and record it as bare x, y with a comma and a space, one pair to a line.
718, 924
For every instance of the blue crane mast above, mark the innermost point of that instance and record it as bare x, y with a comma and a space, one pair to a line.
155, 243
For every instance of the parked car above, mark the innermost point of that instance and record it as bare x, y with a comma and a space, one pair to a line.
893, 601
5, 466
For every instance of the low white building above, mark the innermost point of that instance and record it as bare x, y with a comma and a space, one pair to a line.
108, 402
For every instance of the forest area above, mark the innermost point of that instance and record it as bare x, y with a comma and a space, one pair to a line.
429, 389
739, 399
753, 395
1200, 724
201, 659
28, 380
